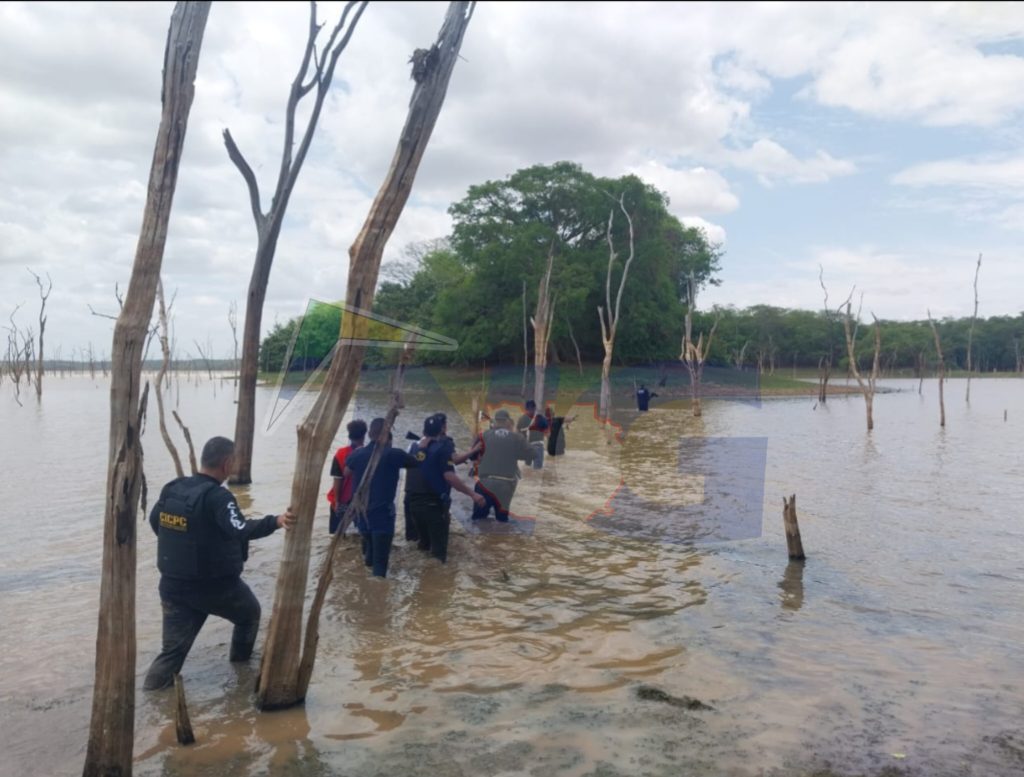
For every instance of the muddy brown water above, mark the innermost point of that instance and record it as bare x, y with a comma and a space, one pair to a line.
896, 648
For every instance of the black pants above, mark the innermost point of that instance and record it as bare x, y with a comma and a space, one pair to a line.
184, 616
377, 551
336, 516
432, 524
411, 532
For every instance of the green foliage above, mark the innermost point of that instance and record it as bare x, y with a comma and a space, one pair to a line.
503, 234
470, 287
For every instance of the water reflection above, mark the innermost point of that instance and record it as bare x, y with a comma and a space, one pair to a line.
792, 585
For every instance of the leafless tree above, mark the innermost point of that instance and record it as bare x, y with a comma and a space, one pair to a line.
44, 294
526, 345
161, 376
694, 354
19, 349
314, 75
825, 363
942, 371
233, 323
541, 321
575, 345
279, 682
739, 357
112, 725
204, 355
850, 326
970, 332
609, 316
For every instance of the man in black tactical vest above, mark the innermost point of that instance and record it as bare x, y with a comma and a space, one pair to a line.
202, 545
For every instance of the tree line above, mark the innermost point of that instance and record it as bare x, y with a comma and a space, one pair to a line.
480, 285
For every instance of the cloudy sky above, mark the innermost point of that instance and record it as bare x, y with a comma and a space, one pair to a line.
882, 142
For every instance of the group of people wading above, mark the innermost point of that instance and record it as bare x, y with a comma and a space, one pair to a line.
203, 538
430, 463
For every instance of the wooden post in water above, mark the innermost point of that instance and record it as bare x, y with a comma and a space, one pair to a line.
182, 724
796, 546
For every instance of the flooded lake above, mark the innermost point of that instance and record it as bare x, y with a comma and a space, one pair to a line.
648, 569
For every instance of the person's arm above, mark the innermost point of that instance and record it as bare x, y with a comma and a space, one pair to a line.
525, 451
339, 479
457, 483
462, 458
154, 514
231, 522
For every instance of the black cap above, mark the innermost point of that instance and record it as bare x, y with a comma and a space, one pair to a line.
433, 426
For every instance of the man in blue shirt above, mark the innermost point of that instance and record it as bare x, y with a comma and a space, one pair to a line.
428, 488
380, 504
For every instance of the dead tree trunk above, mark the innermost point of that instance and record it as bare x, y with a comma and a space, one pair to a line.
610, 317
315, 73
970, 332
112, 727
541, 321
576, 346
43, 296
794, 544
942, 371
867, 387
825, 365
161, 377
694, 355
526, 347
356, 509
278, 684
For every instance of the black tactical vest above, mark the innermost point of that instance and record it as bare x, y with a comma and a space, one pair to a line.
190, 546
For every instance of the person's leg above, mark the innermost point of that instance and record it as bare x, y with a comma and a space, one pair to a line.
239, 605
367, 547
503, 501
482, 512
180, 627
335, 520
422, 514
538, 455
440, 521
381, 543
412, 533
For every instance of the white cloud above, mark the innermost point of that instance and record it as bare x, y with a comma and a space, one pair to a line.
771, 162
611, 86
896, 284
714, 232
697, 189
1005, 173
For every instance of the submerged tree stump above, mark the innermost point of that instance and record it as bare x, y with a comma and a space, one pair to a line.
182, 724
796, 546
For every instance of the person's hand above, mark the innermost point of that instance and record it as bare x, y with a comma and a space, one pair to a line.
479, 501
286, 520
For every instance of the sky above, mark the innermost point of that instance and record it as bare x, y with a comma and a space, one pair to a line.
879, 144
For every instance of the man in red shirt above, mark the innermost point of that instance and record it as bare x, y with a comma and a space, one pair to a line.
341, 490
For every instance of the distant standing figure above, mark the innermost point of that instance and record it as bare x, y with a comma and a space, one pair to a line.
341, 489
380, 504
533, 426
643, 398
202, 543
